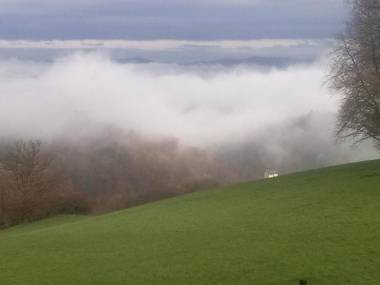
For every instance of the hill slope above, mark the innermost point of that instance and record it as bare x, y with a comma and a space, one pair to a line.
321, 225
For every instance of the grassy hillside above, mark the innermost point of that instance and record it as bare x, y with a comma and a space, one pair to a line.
321, 225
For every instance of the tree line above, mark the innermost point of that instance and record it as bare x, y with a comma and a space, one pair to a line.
63, 177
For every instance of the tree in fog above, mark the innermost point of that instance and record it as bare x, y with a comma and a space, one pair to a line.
355, 73
27, 170
32, 185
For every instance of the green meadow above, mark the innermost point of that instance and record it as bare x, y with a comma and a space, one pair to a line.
321, 225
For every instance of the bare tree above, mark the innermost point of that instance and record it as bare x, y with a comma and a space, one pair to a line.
29, 182
355, 73
32, 185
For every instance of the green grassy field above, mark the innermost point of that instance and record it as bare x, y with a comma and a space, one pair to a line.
322, 225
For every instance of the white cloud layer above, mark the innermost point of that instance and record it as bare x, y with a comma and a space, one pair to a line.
287, 113
155, 99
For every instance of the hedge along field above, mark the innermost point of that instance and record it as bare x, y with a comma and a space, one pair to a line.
321, 225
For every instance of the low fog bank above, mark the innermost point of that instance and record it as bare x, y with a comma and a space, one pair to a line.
297, 144
113, 135
42, 100
243, 119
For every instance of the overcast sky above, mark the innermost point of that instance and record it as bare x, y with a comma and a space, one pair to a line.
170, 19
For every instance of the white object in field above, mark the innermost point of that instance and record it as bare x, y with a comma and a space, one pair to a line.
271, 174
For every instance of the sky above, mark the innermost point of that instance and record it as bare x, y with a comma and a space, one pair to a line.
205, 72
170, 19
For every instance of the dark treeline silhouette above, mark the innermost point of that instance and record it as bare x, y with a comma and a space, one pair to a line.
120, 170
104, 173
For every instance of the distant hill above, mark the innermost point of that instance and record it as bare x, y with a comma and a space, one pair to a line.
278, 62
136, 60
320, 225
